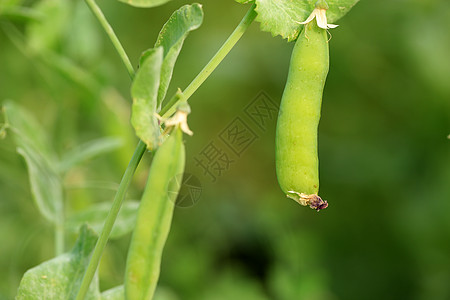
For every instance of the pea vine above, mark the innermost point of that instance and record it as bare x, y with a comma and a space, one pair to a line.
159, 122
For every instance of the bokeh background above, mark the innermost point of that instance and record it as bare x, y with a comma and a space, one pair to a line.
383, 146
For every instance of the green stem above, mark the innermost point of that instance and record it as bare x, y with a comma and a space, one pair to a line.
170, 107
113, 37
110, 219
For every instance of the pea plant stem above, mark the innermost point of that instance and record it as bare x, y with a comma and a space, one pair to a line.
113, 37
110, 219
169, 108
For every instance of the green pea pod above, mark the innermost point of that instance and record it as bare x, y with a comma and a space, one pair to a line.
297, 163
154, 218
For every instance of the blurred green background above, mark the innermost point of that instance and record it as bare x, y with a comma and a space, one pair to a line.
383, 148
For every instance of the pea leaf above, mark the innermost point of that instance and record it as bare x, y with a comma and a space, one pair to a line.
145, 3
26, 129
144, 91
171, 38
33, 145
281, 17
45, 185
60, 278
96, 214
87, 151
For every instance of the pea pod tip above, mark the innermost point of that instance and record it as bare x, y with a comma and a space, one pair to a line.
313, 200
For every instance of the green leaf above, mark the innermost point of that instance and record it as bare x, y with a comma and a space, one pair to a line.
144, 91
145, 3
60, 278
87, 151
45, 184
96, 214
281, 17
339, 8
26, 130
33, 145
171, 38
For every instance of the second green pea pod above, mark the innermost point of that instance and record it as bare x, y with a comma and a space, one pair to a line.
154, 218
